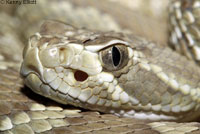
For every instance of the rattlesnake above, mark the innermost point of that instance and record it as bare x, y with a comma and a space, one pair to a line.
22, 111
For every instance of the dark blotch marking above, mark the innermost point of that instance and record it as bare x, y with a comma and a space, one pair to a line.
80, 75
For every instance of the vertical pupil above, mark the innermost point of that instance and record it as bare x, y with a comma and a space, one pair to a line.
115, 56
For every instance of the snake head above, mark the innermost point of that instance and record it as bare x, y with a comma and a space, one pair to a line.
106, 71
75, 66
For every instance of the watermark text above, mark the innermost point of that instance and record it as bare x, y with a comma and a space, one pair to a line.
17, 2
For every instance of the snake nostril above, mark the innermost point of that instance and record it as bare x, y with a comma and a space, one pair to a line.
80, 75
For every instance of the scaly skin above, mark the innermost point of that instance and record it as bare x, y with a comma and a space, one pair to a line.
147, 85
22, 109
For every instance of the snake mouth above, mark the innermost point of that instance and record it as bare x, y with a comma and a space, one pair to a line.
80, 75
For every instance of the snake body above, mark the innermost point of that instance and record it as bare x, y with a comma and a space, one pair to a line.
120, 73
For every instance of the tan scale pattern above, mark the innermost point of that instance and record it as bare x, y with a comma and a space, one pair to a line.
23, 114
185, 33
56, 119
14, 101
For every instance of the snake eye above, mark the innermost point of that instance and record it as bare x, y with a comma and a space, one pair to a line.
114, 57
